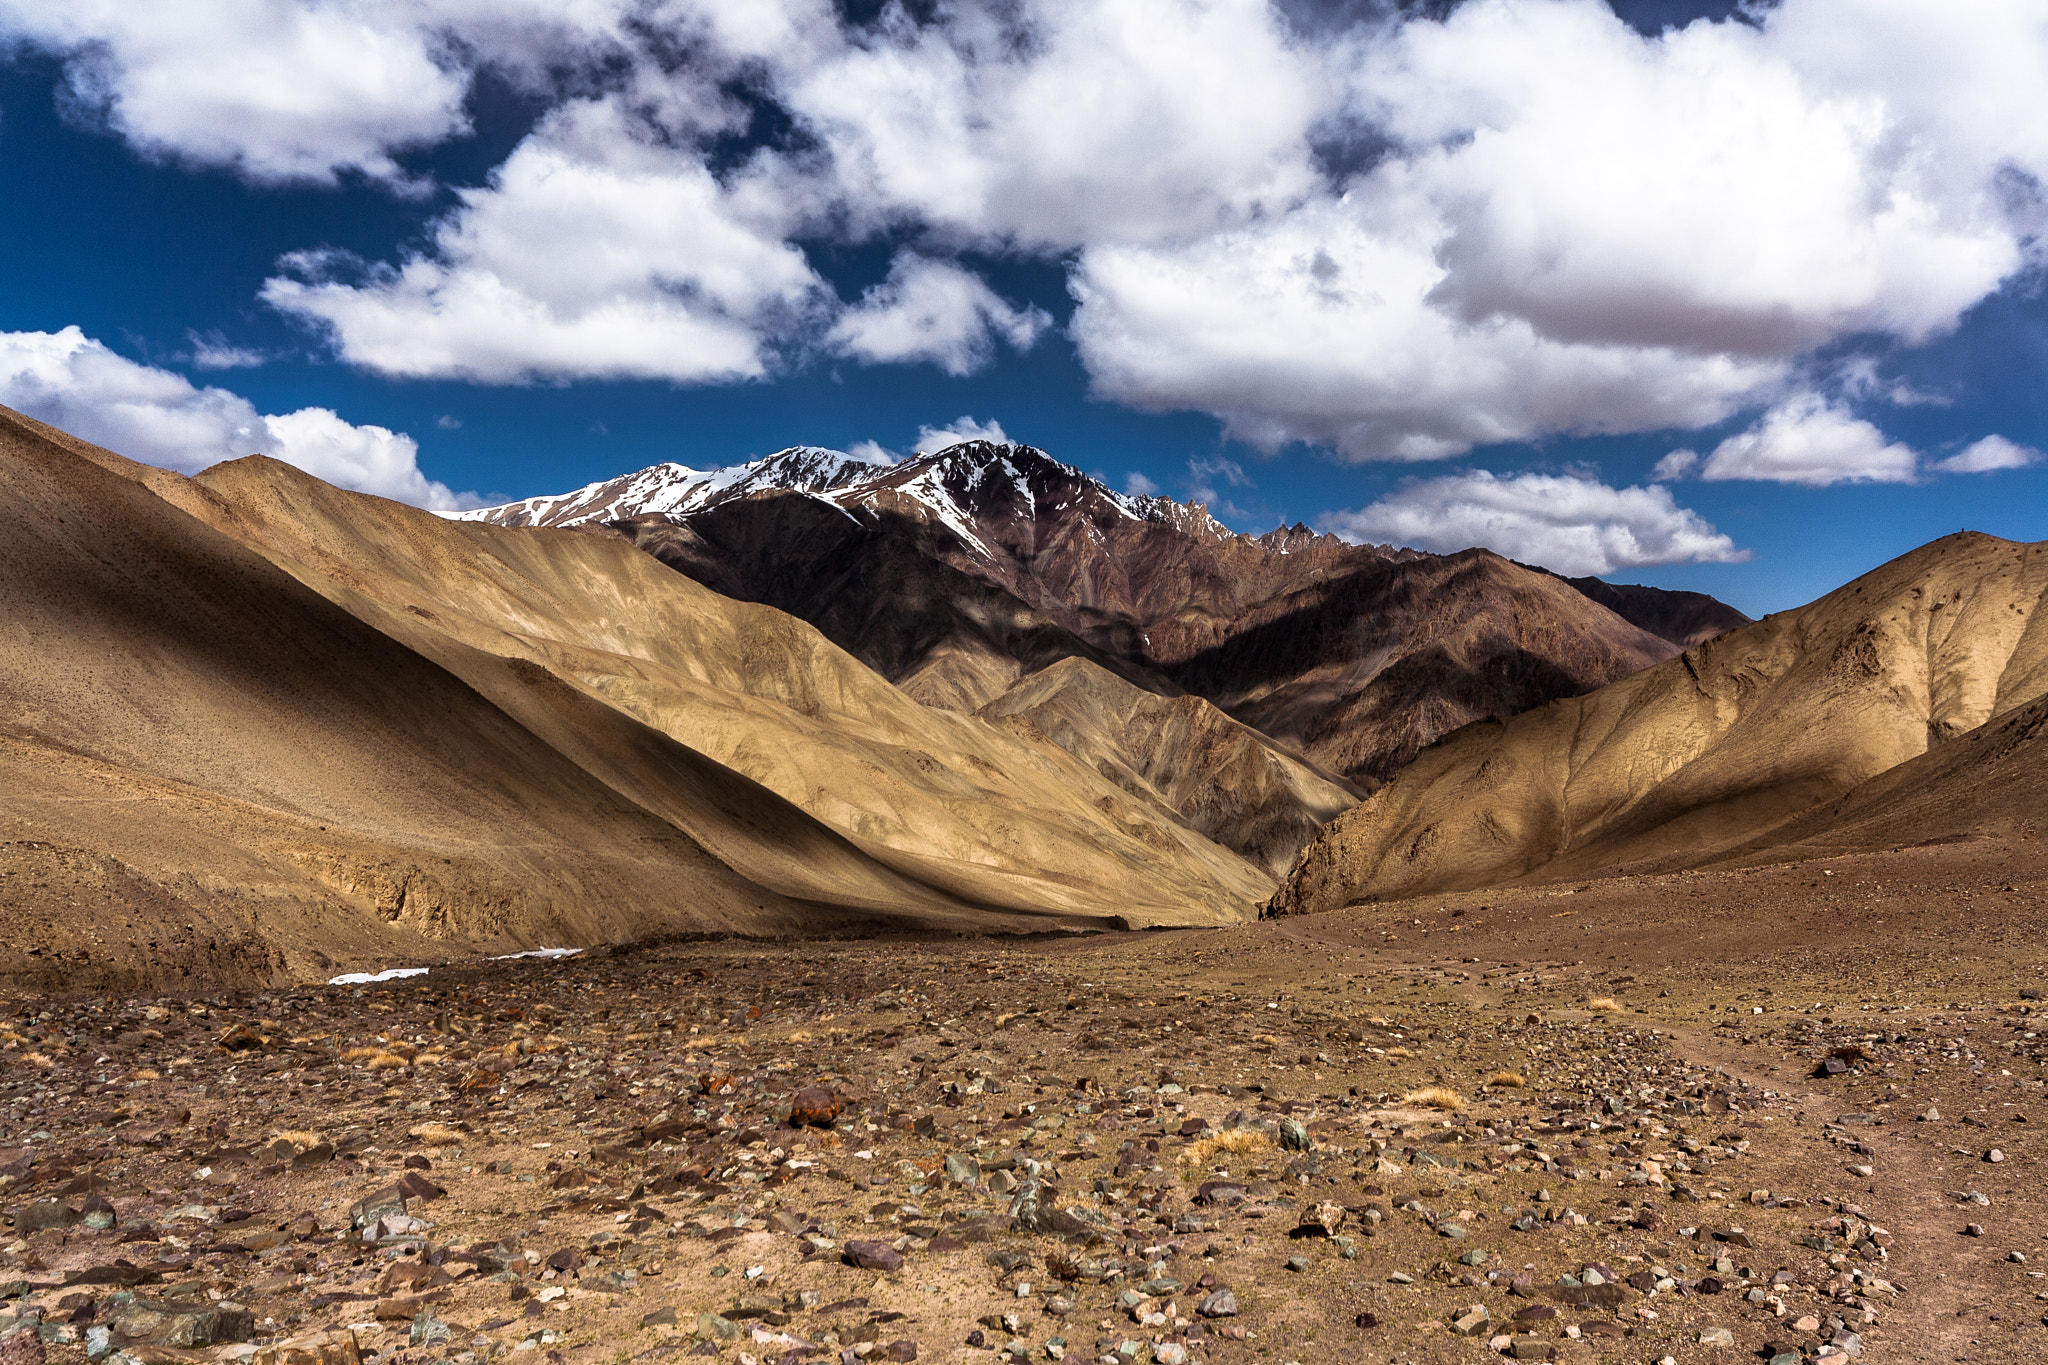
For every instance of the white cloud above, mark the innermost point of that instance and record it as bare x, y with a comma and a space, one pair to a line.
215, 352
1572, 524
73, 382
1056, 123
1677, 465
1581, 230
933, 310
1137, 485
279, 91
1988, 455
596, 252
959, 429
1534, 221
1808, 440
874, 452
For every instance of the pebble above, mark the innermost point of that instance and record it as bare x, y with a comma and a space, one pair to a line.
1221, 1303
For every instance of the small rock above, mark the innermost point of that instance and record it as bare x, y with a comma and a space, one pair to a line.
814, 1107
1716, 1336
873, 1255
1932, 1115
1297, 1264
1994, 1156
716, 1327
1973, 1229
900, 1351
661, 1317
1862, 1172
1219, 1304
1472, 1321
1294, 1136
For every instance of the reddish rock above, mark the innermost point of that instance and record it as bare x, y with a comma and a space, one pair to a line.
813, 1106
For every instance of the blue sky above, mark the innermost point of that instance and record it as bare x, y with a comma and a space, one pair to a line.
1471, 278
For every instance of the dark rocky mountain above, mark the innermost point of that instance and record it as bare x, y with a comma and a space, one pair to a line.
958, 573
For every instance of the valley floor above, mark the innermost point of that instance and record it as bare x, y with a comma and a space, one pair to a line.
1200, 1145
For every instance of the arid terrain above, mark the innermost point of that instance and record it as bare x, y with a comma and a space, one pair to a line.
1217, 1145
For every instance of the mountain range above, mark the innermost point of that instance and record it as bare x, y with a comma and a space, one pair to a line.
959, 573
1903, 707
256, 727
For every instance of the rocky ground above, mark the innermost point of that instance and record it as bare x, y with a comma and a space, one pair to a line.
1788, 1114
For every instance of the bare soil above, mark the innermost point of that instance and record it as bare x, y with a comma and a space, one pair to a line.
609, 1172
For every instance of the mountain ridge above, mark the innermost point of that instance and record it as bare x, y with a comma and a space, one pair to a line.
960, 572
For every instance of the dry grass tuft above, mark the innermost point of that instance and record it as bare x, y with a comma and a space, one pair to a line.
1507, 1080
1434, 1097
302, 1138
1237, 1142
386, 1061
1399, 1052
434, 1135
362, 1054
145, 1074
1604, 1003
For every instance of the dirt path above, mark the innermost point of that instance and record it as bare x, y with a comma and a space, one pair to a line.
1959, 1291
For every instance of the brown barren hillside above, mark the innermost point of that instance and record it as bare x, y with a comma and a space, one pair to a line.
1714, 749
1229, 781
960, 573
947, 799
212, 772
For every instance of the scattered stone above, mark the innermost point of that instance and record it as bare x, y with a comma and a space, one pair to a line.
873, 1256
1222, 1303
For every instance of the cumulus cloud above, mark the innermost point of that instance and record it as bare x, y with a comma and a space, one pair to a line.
959, 429
1138, 485
71, 381
1809, 440
874, 452
1569, 523
597, 251
1989, 455
936, 311
1397, 237
280, 92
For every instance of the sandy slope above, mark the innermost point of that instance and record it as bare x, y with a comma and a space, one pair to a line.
1232, 783
387, 738
1711, 750
211, 770
947, 799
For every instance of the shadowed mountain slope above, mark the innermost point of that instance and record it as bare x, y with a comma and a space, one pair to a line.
1718, 748
1226, 779
948, 800
211, 772
959, 573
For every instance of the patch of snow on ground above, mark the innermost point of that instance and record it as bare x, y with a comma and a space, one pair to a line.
366, 978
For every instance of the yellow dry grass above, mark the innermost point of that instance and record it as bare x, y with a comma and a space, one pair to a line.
145, 1074
362, 1054
301, 1138
1604, 1003
1236, 1142
434, 1135
1507, 1080
386, 1061
1399, 1052
1434, 1097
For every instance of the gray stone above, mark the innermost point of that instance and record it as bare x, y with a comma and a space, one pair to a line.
1218, 1304
962, 1169
716, 1327
1472, 1321
1294, 1136
1716, 1336
428, 1330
